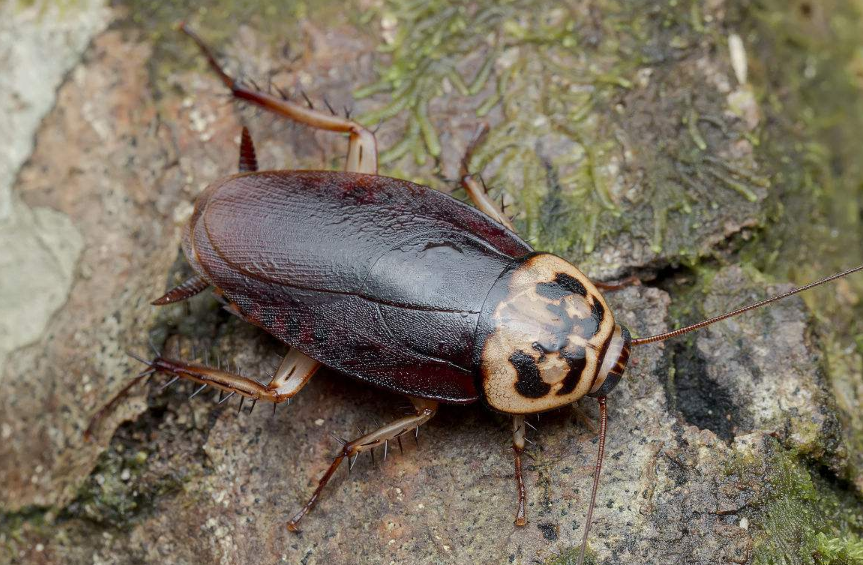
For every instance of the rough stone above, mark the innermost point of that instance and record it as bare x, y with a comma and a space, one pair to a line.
726, 446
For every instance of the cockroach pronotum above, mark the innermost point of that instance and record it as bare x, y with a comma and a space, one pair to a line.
399, 286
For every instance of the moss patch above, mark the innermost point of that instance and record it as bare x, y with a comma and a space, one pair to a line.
570, 557
814, 104
594, 136
801, 517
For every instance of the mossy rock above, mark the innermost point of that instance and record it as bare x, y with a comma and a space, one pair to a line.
623, 136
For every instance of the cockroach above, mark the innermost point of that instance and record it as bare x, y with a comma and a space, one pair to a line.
400, 286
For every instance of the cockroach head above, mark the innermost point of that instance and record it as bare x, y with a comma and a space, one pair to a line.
546, 338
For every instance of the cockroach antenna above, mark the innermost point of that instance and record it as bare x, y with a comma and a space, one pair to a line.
772, 299
603, 427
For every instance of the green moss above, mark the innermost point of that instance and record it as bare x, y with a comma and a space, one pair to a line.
814, 105
560, 89
816, 109
117, 492
570, 557
801, 517
839, 550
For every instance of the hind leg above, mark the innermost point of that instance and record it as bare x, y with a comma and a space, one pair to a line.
362, 149
289, 378
292, 375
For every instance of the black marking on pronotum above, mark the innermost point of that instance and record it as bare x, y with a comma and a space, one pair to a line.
576, 358
587, 326
596, 310
530, 383
563, 285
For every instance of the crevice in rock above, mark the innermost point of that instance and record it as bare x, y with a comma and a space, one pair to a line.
701, 401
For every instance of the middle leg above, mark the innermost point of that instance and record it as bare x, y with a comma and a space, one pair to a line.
424, 410
476, 190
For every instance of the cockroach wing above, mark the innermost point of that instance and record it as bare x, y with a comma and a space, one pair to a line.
376, 277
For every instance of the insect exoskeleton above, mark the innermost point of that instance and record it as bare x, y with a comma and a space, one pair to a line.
546, 338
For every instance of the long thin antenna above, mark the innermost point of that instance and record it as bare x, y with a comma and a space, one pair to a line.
699, 325
603, 426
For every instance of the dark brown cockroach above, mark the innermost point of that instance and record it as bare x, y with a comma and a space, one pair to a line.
400, 286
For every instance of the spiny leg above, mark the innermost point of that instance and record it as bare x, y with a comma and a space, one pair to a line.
109, 407
476, 190
362, 149
288, 380
425, 409
294, 372
518, 448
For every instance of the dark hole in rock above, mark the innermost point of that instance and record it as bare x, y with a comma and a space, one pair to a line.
701, 401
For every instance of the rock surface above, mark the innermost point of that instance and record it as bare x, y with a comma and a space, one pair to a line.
625, 138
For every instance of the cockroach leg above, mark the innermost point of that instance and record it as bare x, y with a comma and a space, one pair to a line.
517, 448
108, 408
294, 372
619, 285
248, 160
362, 151
184, 291
476, 189
424, 410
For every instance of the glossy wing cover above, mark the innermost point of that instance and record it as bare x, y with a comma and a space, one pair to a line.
376, 277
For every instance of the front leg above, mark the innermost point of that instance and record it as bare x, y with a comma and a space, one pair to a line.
518, 449
619, 285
